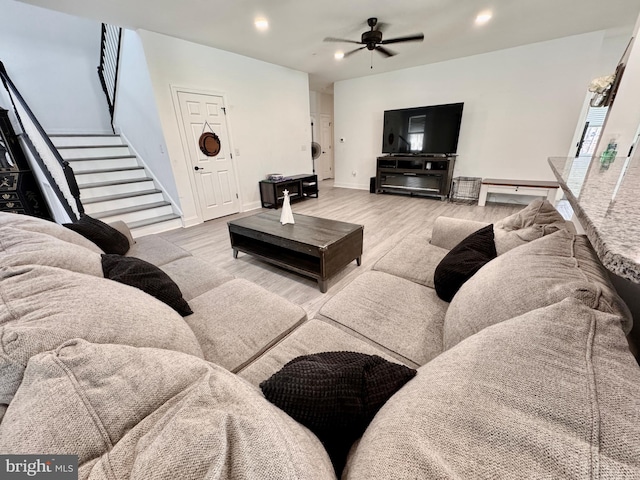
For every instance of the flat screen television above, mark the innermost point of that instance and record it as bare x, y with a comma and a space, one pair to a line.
431, 130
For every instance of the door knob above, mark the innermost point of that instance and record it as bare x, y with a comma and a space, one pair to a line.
196, 168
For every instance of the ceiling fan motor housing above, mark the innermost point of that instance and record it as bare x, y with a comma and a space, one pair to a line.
372, 38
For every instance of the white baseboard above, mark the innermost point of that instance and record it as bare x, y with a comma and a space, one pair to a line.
190, 222
351, 186
251, 206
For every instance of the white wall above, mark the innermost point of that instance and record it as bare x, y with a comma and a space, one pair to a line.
268, 112
137, 113
320, 103
521, 106
52, 58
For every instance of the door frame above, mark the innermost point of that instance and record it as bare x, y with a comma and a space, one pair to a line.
331, 162
186, 162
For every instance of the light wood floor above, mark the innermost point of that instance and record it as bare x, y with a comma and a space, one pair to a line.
387, 219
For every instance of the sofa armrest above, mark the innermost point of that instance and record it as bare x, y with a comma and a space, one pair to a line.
448, 232
122, 227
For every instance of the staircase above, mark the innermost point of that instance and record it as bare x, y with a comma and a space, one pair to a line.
114, 185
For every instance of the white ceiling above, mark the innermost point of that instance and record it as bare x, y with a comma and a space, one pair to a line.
298, 27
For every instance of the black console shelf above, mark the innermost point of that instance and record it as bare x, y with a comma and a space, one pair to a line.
298, 186
415, 175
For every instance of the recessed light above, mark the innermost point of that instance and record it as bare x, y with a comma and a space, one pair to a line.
483, 18
338, 55
261, 24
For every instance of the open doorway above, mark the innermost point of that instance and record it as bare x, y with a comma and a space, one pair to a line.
322, 134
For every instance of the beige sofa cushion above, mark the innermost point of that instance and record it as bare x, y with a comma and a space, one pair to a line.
314, 336
531, 276
195, 276
401, 315
554, 393
149, 413
42, 307
19, 247
38, 225
414, 258
237, 321
156, 250
449, 232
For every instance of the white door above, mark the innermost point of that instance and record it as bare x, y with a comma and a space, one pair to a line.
214, 177
326, 141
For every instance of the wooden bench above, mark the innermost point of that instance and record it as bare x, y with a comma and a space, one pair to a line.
538, 188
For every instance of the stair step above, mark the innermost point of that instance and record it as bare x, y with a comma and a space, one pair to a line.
103, 163
134, 214
93, 151
111, 170
136, 208
104, 188
113, 186
85, 139
93, 176
151, 221
124, 200
155, 225
119, 196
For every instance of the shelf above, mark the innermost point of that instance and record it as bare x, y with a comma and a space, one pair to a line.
291, 195
280, 256
419, 174
299, 186
402, 187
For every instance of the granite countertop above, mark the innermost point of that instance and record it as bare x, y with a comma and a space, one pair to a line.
607, 203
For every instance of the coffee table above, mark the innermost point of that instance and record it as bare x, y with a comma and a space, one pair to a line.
315, 247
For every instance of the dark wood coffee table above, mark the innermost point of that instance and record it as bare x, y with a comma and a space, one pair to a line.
315, 247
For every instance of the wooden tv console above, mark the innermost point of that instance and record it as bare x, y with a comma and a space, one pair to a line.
415, 175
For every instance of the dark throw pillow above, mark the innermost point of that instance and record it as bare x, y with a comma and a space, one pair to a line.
335, 395
104, 236
463, 261
146, 277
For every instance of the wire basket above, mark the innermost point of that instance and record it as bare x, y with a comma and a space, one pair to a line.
465, 190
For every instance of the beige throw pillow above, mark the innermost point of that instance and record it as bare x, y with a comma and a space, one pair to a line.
536, 220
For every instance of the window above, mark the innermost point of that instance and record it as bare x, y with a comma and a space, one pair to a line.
416, 132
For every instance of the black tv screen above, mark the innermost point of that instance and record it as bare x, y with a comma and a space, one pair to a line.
422, 130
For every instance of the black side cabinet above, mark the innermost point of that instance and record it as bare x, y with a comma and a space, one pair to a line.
299, 186
19, 189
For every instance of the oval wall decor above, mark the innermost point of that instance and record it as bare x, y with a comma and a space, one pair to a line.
209, 144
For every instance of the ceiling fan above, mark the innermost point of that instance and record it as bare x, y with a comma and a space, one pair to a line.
372, 40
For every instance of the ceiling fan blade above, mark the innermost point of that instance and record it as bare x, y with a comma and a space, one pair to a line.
418, 37
352, 52
341, 40
385, 51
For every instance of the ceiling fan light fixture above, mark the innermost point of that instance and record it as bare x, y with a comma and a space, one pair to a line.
483, 18
261, 24
338, 55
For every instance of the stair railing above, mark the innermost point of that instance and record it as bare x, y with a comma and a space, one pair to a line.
109, 64
57, 171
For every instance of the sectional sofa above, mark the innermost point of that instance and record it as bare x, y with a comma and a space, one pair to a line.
526, 373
